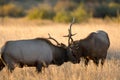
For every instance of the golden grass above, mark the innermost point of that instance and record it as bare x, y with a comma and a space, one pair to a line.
18, 29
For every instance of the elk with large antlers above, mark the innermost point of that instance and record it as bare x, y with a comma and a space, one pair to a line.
39, 52
93, 47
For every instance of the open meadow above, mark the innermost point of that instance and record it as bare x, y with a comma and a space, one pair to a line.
20, 29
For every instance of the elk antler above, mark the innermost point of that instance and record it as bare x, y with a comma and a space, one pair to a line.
53, 39
70, 39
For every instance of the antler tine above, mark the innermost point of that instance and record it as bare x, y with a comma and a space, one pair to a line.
72, 23
70, 40
53, 39
71, 35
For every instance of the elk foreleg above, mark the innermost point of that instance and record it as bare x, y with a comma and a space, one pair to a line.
39, 67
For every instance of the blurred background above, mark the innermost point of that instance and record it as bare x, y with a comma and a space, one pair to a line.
61, 10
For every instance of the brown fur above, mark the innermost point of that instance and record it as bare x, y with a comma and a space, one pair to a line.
92, 48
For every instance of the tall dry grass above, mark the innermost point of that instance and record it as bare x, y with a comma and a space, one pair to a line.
18, 29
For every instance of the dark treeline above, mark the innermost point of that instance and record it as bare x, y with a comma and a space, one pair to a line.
60, 10
78, 1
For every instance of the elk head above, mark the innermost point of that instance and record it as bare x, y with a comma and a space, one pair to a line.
69, 56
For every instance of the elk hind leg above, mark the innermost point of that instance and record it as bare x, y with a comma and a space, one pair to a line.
102, 61
96, 61
86, 61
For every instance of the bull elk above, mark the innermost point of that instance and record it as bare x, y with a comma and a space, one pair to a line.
39, 52
93, 47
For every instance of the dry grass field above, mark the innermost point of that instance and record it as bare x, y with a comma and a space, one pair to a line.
20, 29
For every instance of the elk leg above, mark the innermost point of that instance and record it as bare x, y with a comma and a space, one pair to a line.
96, 61
39, 67
1, 65
86, 61
11, 67
21, 65
10, 64
102, 61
